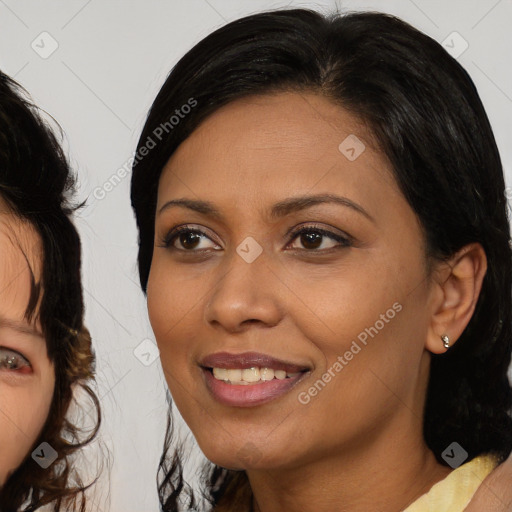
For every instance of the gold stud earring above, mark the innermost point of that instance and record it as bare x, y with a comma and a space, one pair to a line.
446, 340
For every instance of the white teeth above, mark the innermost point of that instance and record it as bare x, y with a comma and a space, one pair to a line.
250, 375
234, 375
266, 374
220, 373
280, 374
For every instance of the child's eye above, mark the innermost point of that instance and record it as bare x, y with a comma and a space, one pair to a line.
11, 360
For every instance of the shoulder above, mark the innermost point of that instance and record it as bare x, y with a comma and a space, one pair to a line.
495, 493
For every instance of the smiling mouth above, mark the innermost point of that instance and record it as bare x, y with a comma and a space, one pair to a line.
249, 379
252, 375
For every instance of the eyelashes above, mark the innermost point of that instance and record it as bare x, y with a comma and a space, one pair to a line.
343, 241
12, 360
168, 241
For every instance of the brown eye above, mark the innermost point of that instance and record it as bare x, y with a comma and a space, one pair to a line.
312, 237
188, 238
311, 240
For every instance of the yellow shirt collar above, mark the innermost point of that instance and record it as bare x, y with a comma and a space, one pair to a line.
453, 493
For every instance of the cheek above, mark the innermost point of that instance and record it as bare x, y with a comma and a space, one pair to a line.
162, 297
168, 304
172, 301
336, 305
24, 411
367, 329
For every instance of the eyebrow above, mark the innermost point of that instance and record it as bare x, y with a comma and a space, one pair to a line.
19, 326
278, 210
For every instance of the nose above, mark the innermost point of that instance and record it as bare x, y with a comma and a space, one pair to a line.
245, 294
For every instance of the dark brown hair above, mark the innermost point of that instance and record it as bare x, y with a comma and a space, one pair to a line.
424, 111
36, 182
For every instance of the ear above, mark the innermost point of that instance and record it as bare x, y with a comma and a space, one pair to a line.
455, 290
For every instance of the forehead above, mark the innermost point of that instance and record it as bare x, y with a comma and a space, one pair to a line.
21, 251
304, 124
261, 148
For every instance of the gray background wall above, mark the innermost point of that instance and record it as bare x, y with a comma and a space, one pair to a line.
95, 66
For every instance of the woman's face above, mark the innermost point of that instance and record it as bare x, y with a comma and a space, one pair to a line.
329, 325
26, 374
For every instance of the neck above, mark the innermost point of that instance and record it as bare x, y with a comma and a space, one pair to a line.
382, 476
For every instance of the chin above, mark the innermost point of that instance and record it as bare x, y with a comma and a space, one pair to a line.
244, 455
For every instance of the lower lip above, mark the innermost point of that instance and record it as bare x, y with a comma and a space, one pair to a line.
250, 395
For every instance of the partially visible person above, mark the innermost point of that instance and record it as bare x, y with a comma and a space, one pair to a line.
45, 349
495, 493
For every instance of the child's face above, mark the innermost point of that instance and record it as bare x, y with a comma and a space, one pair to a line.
27, 377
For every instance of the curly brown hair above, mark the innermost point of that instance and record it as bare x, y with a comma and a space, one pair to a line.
36, 182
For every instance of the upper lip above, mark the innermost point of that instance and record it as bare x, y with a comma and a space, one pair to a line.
249, 360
